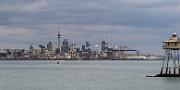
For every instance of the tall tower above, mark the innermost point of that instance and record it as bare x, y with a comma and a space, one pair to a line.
170, 66
59, 47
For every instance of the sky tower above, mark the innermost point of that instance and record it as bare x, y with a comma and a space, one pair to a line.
59, 36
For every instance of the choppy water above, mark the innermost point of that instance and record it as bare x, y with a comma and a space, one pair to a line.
83, 75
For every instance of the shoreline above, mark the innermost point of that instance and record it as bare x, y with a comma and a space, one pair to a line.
80, 60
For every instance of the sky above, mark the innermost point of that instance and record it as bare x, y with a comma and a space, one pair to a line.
139, 24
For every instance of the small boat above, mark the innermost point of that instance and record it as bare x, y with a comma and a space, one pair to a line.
57, 62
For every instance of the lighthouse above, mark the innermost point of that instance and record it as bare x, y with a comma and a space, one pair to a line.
170, 66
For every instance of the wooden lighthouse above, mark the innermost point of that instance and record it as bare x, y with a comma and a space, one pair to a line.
170, 66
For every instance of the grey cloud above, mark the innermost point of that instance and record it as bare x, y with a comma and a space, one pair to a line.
33, 7
123, 21
94, 12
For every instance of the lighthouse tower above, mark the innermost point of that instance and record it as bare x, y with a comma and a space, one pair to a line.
170, 66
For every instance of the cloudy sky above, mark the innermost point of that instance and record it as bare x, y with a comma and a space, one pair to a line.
140, 24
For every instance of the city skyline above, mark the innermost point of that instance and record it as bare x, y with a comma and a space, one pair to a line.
140, 24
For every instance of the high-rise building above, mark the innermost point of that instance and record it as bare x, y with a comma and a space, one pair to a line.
83, 48
65, 47
31, 49
50, 46
104, 46
88, 45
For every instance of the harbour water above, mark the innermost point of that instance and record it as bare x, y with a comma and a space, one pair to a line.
83, 75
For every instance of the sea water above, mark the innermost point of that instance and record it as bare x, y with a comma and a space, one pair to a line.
84, 75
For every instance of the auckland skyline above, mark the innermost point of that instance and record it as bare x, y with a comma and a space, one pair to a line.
141, 24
